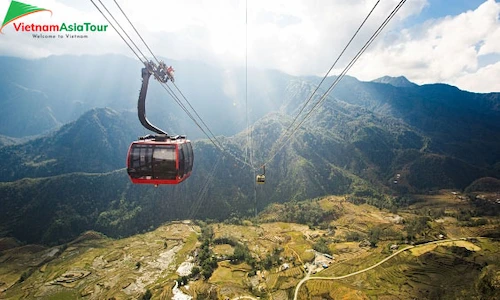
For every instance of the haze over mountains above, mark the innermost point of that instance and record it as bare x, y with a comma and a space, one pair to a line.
79, 114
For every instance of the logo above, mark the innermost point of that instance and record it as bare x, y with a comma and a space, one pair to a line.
18, 10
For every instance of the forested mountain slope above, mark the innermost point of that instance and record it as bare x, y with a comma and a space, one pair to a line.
368, 139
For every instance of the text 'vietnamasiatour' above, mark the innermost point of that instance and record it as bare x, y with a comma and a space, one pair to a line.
84, 27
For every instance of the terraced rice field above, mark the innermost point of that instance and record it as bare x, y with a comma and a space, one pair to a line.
417, 251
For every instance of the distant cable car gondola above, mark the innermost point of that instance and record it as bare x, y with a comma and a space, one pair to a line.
261, 178
157, 159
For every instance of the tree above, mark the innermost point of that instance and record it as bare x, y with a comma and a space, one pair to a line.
352, 236
207, 271
374, 236
267, 263
24, 276
195, 271
241, 253
183, 280
322, 246
147, 295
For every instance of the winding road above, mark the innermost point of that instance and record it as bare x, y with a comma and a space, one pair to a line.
369, 268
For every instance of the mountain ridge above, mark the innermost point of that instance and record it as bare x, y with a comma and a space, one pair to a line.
356, 143
99, 134
399, 81
315, 163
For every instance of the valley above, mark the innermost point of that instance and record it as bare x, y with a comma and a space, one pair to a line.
390, 190
371, 253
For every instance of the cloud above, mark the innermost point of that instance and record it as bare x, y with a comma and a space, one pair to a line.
447, 50
484, 80
295, 36
283, 34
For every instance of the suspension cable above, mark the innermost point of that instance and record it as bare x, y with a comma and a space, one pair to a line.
248, 141
125, 32
195, 207
337, 80
249, 128
331, 68
150, 51
196, 113
171, 93
119, 34
212, 139
136, 31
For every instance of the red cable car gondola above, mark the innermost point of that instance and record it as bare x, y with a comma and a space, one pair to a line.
168, 161
157, 159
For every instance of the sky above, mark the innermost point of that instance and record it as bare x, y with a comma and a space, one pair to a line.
448, 41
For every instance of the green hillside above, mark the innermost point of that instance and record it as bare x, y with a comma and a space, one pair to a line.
377, 142
426, 250
96, 142
314, 163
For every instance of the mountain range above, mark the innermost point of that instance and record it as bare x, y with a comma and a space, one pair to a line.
71, 119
